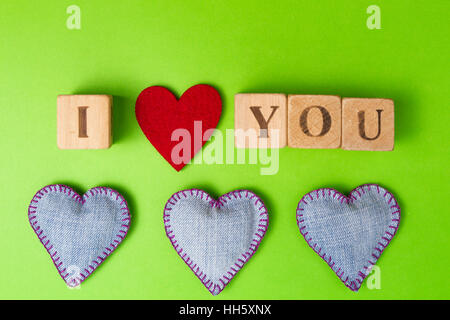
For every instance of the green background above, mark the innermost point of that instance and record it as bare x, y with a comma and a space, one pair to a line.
305, 47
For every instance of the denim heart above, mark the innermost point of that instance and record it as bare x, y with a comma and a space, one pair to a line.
215, 238
78, 232
349, 233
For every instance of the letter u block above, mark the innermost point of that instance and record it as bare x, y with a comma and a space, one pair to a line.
260, 120
368, 124
314, 121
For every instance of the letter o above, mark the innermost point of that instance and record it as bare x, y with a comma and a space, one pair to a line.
326, 118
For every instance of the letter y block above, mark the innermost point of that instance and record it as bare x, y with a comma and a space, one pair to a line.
260, 120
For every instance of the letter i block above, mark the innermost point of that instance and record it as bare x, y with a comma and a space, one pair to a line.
260, 120
367, 124
314, 121
84, 121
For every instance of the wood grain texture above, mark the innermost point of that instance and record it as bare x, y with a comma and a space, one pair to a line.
84, 121
368, 124
260, 120
314, 121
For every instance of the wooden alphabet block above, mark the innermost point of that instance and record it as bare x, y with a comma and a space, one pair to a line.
84, 121
260, 120
368, 124
314, 121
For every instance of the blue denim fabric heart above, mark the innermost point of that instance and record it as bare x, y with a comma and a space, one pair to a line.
78, 232
349, 233
215, 238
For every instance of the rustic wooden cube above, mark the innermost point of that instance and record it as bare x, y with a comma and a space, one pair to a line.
314, 121
367, 124
84, 121
260, 120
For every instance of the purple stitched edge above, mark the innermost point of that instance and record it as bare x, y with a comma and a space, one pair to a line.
239, 263
115, 195
379, 248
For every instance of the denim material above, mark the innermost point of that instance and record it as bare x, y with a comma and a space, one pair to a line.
349, 233
79, 233
215, 238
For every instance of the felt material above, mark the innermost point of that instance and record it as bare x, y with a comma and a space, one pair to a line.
79, 233
159, 114
215, 238
349, 233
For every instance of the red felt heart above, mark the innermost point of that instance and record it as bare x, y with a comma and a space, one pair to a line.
159, 114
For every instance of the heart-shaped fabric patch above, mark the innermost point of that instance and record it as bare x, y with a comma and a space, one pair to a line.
215, 237
168, 122
349, 233
78, 232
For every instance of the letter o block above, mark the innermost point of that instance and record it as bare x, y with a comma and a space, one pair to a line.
368, 124
260, 120
314, 121
84, 121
